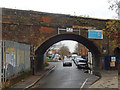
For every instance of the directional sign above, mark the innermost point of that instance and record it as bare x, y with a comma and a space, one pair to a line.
95, 34
113, 59
69, 29
112, 64
66, 29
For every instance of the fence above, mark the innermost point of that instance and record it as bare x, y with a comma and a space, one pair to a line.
16, 58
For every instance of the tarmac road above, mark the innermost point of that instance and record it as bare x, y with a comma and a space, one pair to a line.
66, 77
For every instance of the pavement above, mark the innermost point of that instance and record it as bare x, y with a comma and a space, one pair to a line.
33, 79
109, 79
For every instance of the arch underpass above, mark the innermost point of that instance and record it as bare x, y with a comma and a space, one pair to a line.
43, 47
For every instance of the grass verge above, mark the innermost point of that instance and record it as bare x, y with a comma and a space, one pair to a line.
50, 60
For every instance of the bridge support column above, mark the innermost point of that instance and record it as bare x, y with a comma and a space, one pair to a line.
39, 63
99, 62
98, 65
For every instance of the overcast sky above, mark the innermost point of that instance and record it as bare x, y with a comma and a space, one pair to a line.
93, 8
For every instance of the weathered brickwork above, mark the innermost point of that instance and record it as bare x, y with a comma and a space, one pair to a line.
34, 28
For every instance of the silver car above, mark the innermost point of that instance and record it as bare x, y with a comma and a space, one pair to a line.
67, 62
81, 63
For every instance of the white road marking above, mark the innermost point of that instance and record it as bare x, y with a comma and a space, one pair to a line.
84, 83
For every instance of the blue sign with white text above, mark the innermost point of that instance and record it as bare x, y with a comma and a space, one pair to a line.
95, 34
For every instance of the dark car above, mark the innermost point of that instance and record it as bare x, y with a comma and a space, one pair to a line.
67, 62
81, 63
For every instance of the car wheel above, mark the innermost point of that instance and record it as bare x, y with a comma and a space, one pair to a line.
78, 67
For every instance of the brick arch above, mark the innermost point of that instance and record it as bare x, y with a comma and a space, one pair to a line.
86, 42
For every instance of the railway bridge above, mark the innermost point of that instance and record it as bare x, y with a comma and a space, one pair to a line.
41, 30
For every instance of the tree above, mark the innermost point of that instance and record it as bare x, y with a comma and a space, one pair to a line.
114, 5
81, 49
112, 30
114, 27
64, 51
77, 49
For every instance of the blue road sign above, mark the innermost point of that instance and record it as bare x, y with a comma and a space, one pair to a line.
95, 34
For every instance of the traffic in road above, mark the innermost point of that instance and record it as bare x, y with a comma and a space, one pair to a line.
66, 77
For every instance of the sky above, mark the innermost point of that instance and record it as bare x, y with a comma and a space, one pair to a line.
91, 8
69, 43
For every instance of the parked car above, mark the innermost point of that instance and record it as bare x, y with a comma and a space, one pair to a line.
73, 56
77, 58
81, 63
67, 62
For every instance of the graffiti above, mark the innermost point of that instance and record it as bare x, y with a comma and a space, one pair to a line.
10, 50
16, 58
10, 59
